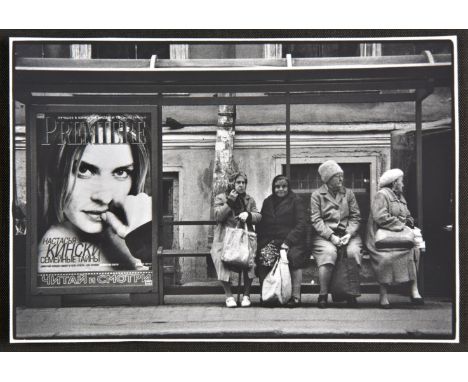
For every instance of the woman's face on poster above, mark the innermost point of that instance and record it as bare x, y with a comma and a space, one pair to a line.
102, 179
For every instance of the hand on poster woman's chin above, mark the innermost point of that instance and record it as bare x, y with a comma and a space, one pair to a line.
137, 209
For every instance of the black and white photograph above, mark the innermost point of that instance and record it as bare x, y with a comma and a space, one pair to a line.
236, 189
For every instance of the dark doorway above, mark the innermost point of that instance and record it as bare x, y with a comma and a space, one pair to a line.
438, 177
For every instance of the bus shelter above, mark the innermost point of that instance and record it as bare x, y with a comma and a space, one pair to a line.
65, 89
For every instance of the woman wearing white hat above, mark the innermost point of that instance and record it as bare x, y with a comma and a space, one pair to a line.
390, 212
335, 216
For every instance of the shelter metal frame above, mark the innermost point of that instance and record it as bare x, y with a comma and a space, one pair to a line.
150, 84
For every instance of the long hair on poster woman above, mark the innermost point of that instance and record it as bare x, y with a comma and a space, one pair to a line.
94, 195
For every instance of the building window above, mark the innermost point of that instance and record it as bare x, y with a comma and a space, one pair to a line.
140, 50
319, 49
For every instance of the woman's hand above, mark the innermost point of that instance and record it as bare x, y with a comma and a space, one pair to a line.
243, 216
233, 196
345, 239
138, 211
336, 241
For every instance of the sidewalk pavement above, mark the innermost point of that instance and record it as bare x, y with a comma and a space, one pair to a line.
205, 316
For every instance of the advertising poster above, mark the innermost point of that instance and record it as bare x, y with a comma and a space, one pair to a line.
94, 199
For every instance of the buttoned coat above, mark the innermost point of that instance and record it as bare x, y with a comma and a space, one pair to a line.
225, 217
393, 265
329, 213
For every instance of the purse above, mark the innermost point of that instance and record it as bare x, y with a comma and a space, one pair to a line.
268, 255
345, 280
385, 238
239, 248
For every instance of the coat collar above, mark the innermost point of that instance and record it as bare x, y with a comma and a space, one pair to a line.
392, 196
326, 193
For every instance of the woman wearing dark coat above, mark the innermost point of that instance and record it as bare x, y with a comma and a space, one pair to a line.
283, 226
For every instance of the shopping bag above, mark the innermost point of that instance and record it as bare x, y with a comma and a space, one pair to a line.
277, 285
385, 238
239, 248
418, 239
345, 279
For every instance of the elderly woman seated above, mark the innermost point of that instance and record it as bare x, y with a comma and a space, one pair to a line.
335, 216
390, 212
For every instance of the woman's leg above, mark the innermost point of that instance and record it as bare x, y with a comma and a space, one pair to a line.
383, 295
247, 282
296, 281
227, 288
325, 275
414, 289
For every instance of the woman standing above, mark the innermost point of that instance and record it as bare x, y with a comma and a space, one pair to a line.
389, 211
335, 216
283, 226
229, 208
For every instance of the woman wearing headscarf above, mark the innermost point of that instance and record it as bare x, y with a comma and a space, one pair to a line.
335, 217
390, 211
230, 207
283, 226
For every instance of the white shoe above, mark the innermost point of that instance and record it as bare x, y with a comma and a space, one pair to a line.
231, 302
245, 302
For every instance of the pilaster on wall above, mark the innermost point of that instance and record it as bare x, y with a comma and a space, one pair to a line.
370, 49
80, 51
272, 50
179, 51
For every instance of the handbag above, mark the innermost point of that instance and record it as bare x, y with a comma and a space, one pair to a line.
345, 280
385, 238
277, 285
239, 248
268, 255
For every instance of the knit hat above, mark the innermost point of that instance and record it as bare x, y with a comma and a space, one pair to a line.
389, 176
329, 169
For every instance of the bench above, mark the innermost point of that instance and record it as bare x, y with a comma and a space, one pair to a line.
217, 289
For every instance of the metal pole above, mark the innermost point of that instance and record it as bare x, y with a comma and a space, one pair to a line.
288, 136
156, 185
419, 183
419, 163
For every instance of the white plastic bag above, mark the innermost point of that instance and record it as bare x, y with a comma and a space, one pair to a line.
277, 284
418, 238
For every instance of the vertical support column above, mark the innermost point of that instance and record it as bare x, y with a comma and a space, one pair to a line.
288, 136
157, 152
33, 299
154, 297
419, 163
224, 164
419, 182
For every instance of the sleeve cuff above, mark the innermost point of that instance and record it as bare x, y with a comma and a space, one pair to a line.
138, 241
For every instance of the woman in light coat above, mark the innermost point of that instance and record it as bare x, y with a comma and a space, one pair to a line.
335, 217
229, 208
389, 211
